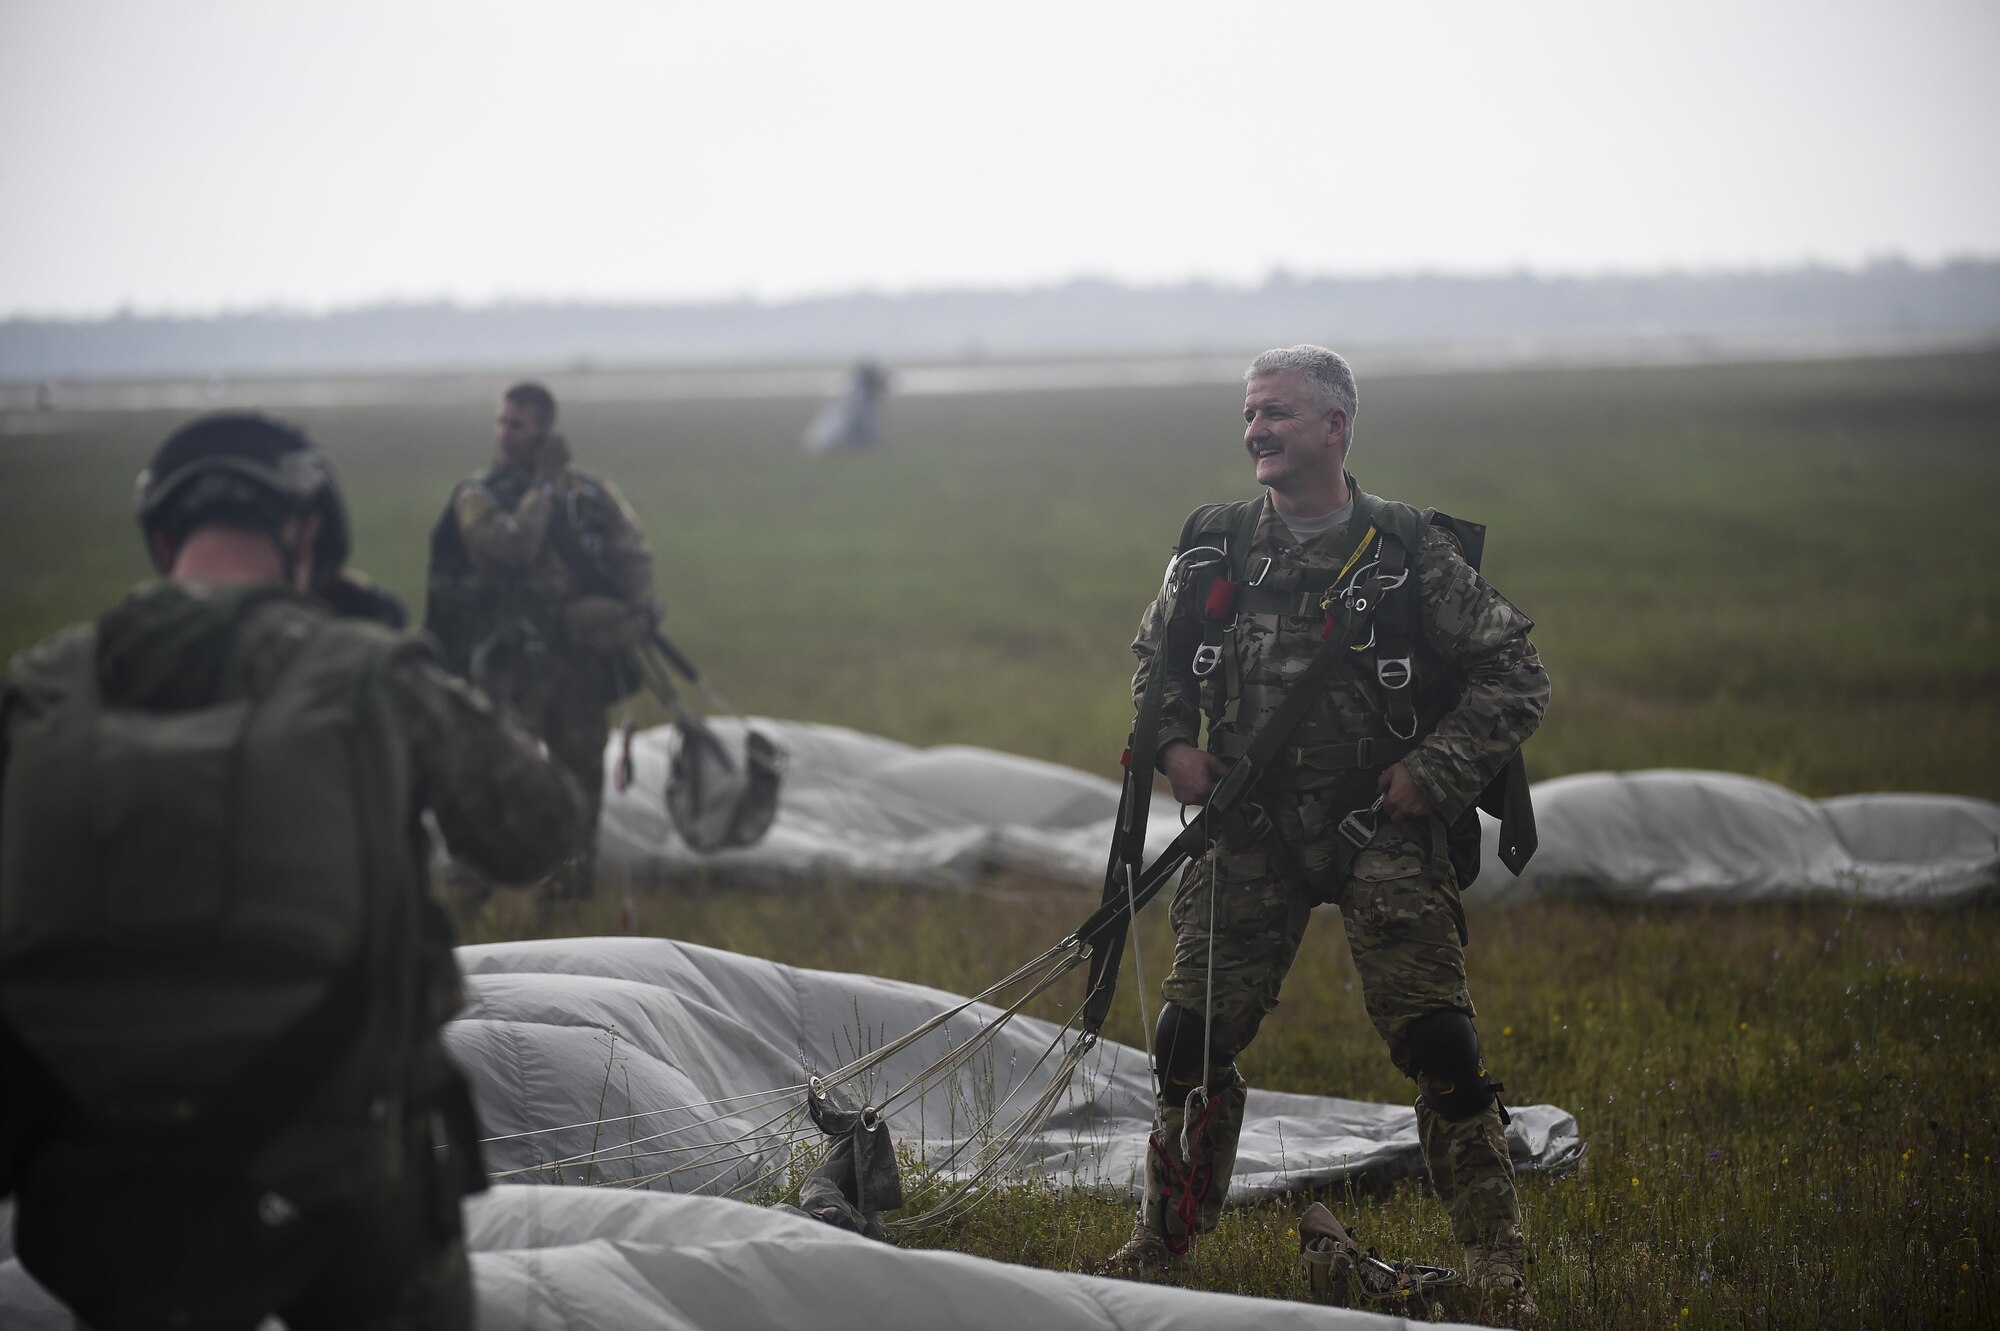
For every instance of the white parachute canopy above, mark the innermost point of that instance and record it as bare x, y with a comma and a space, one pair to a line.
645, 1062
586, 1259
859, 806
853, 420
644, 1080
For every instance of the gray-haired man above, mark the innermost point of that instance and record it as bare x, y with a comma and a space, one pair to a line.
1358, 812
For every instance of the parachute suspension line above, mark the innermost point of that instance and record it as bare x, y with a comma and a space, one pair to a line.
1044, 970
962, 1053
1194, 1118
769, 1128
1067, 952
776, 1091
761, 1135
1139, 973
623, 1150
1005, 1155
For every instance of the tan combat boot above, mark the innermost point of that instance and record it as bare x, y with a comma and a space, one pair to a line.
1147, 1257
1496, 1279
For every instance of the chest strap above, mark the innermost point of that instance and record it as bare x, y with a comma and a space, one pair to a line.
1373, 752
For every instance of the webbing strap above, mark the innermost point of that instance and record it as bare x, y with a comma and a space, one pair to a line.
1103, 932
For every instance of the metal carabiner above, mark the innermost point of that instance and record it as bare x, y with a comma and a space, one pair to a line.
1185, 565
1359, 827
1263, 572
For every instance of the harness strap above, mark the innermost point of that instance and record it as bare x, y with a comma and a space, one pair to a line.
1395, 671
1221, 697
1103, 932
1375, 751
1301, 603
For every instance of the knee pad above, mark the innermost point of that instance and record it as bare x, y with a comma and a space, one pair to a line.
1177, 1049
1441, 1052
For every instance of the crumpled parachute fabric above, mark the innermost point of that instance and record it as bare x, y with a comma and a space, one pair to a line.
862, 807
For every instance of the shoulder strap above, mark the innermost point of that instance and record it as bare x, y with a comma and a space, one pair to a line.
1221, 525
1507, 796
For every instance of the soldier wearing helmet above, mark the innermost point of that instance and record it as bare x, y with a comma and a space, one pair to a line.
222, 975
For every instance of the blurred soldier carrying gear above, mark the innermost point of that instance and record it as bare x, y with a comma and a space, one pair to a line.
540, 589
1360, 810
222, 974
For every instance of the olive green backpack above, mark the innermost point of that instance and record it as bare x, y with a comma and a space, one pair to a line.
214, 920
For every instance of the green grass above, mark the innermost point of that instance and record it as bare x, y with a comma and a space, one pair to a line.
1790, 571
1790, 1110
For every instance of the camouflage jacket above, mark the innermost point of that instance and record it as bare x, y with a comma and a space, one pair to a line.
499, 801
1472, 654
568, 563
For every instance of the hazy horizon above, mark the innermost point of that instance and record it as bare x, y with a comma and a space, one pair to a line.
1276, 277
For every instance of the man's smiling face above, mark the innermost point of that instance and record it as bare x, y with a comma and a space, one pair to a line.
1293, 444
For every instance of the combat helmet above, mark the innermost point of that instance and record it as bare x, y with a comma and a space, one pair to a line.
245, 469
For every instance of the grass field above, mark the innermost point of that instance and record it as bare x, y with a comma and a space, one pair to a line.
1789, 571
1792, 571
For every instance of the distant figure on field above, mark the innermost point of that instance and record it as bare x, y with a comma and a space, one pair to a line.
540, 588
855, 419
1427, 688
222, 974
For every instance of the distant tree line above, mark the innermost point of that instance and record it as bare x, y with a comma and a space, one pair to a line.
1084, 317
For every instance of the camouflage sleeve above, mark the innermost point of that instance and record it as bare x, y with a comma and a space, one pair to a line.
503, 805
1503, 689
627, 556
1180, 701
496, 538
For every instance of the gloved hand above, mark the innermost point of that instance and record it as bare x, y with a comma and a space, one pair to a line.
605, 625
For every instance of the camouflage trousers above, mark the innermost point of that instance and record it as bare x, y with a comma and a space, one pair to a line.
561, 705
1239, 916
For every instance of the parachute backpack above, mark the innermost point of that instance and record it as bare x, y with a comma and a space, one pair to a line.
216, 949
719, 796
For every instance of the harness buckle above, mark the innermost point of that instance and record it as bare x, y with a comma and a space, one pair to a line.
1206, 658
1359, 827
1389, 720
1394, 672
1185, 565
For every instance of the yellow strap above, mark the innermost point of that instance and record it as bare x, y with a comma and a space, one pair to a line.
1326, 601
1353, 559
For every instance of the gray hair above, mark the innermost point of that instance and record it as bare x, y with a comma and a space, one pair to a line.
1326, 373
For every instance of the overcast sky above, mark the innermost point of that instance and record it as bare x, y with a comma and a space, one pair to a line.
191, 155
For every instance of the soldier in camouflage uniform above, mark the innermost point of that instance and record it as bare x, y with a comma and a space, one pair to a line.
1239, 913
222, 976
541, 585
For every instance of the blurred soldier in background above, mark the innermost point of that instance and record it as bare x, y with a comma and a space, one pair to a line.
1367, 806
222, 973
540, 589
